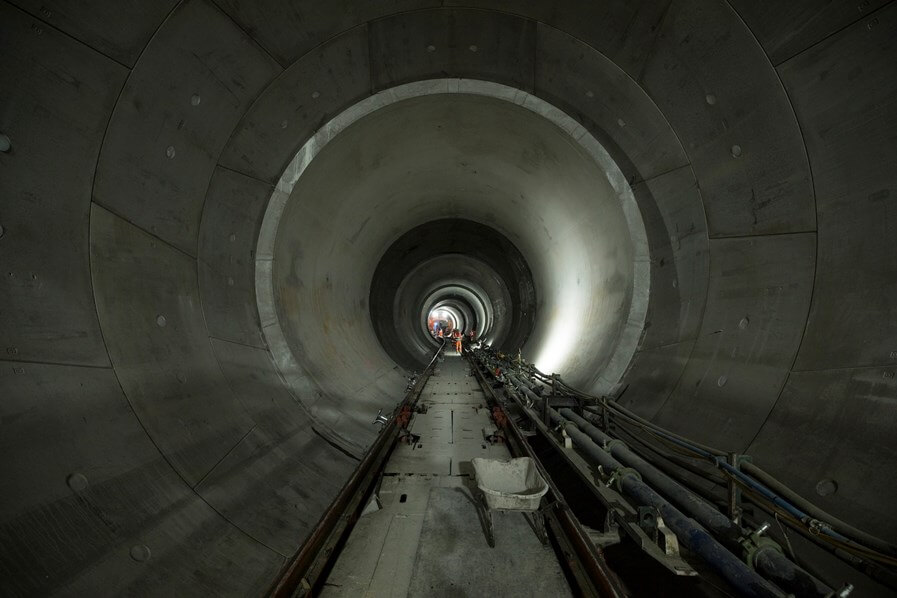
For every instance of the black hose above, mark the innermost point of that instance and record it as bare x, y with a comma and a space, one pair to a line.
811, 509
711, 475
669, 467
872, 548
874, 571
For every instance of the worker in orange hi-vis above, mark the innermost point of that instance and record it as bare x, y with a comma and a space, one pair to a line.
439, 333
457, 335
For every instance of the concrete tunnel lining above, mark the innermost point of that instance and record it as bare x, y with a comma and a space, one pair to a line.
592, 289
792, 236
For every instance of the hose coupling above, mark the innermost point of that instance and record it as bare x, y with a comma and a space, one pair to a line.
817, 527
616, 478
755, 542
613, 442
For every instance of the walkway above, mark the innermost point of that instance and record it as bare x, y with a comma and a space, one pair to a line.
426, 539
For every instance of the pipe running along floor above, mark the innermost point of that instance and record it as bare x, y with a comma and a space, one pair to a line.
427, 539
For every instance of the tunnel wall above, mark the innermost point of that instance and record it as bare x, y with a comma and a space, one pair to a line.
770, 325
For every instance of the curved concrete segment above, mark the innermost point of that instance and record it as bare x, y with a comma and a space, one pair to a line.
158, 438
456, 148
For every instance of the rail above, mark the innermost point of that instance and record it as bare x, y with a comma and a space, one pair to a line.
300, 575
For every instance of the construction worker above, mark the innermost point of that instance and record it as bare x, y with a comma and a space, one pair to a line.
439, 333
457, 336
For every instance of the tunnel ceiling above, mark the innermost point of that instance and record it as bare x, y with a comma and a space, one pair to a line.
184, 179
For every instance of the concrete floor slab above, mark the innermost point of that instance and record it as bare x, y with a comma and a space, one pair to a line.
427, 539
453, 558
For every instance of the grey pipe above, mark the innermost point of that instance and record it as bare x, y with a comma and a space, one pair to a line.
705, 513
614, 406
774, 484
690, 532
773, 564
813, 510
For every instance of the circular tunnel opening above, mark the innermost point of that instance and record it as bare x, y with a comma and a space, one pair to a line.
486, 200
468, 271
443, 318
472, 287
473, 305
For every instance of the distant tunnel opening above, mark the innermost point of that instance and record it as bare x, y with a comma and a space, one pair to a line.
468, 272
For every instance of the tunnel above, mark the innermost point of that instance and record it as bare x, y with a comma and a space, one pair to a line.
226, 228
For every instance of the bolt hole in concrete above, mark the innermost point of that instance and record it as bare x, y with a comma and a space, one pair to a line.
195, 99
403, 498
161, 322
826, 487
5, 143
140, 553
77, 482
736, 151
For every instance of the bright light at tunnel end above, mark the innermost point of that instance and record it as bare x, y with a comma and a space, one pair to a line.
442, 317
